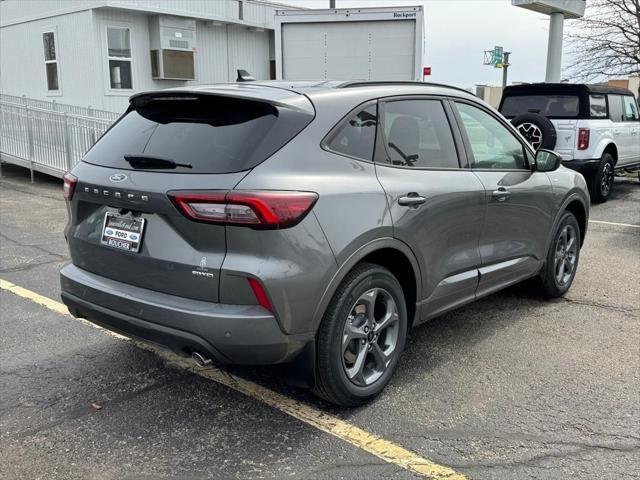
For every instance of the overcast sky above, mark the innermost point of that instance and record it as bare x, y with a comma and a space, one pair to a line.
458, 31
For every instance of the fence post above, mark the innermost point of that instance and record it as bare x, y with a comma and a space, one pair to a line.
30, 140
67, 141
90, 111
54, 106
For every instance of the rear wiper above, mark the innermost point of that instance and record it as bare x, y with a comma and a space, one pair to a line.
151, 161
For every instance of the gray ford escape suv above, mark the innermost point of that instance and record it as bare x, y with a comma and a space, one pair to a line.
311, 223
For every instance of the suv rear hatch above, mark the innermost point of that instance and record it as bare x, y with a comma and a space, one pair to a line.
123, 224
563, 105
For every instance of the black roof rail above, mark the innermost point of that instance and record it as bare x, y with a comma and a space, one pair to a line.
375, 83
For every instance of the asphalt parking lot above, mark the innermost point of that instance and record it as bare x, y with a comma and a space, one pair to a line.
508, 387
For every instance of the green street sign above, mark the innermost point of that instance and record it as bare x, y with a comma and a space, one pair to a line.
498, 57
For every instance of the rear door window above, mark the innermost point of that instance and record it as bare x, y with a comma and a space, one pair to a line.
356, 137
550, 106
213, 134
417, 134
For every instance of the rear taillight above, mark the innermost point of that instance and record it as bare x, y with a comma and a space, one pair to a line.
583, 138
69, 185
257, 209
260, 294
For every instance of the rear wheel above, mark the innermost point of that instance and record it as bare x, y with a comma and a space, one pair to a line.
601, 183
361, 336
562, 258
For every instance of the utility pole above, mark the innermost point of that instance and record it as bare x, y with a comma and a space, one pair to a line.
505, 69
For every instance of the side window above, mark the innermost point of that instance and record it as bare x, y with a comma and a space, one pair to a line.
615, 108
50, 61
492, 144
119, 58
417, 134
357, 136
630, 109
598, 106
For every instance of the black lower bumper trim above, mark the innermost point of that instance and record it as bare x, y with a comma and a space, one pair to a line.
183, 343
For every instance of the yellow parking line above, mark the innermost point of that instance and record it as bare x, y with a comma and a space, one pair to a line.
384, 449
614, 223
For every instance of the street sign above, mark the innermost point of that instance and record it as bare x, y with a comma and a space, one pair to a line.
426, 71
498, 56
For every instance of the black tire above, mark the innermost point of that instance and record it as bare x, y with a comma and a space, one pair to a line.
544, 126
333, 383
601, 182
551, 285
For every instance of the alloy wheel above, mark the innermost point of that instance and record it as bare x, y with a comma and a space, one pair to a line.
370, 337
566, 255
607, 179
531, 133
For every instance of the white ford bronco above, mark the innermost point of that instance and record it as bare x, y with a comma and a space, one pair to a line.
596, 129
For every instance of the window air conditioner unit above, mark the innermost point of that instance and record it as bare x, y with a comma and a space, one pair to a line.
173, 46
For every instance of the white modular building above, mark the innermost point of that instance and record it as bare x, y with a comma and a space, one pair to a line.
99, 52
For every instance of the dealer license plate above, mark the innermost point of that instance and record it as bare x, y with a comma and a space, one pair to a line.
124, 233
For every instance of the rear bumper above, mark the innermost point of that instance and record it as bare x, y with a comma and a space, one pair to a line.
238, 334
583, 166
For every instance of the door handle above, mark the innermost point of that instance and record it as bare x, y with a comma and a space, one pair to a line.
501, 194
411, 200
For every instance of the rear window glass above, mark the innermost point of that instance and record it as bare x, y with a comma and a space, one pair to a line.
213, 134
551, 106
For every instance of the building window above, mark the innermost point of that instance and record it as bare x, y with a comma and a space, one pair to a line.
50, 61
240, 10
119, 56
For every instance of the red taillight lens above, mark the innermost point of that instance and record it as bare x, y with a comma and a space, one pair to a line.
257, 209
69, 185
583, 138
260, 293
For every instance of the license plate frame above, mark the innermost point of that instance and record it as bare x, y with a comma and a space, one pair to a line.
122, 232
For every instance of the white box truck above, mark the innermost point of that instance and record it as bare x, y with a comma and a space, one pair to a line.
349, 44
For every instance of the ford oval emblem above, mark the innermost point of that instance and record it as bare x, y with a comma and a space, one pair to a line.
118, 177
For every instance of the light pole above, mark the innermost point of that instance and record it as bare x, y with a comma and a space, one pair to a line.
557, 10
554, 48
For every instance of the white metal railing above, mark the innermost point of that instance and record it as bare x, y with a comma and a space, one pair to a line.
60, 107
46, 140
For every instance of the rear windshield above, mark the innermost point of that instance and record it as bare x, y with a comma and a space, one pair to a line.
551, 106
213, 134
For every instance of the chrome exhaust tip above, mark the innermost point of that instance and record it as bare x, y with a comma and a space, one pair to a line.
201, 360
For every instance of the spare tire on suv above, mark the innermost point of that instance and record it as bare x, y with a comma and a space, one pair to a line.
536, 129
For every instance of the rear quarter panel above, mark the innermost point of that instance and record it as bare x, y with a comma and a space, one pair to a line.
600, 136
351, 211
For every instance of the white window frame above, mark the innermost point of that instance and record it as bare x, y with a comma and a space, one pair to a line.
122, 92
58, 92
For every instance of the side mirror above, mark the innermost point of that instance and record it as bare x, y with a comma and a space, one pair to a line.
547, 160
